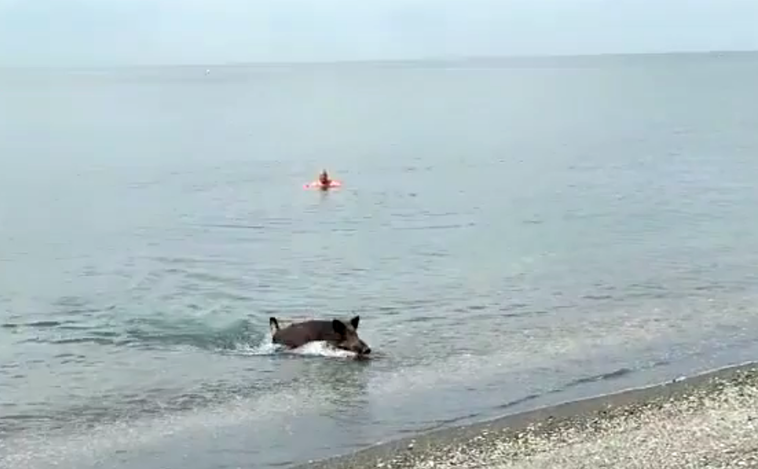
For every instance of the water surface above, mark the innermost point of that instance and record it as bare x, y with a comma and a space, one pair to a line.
513, 234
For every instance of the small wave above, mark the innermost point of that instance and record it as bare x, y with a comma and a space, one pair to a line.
597, 297
35, 324
234, 226
601, 377
85, 340
608, 376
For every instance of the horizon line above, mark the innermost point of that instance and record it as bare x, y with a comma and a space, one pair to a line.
389, 61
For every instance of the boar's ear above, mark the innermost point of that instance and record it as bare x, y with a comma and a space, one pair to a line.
273, 324
354, 322
339, 326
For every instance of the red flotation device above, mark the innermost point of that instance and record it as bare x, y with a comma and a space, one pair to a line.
318, 185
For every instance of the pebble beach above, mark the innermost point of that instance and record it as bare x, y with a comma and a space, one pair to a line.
706, 421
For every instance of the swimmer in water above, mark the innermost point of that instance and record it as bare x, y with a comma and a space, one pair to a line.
323, 178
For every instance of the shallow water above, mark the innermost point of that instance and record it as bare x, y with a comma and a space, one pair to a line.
512, 235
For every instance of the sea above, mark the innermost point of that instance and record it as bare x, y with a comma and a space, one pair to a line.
513, 233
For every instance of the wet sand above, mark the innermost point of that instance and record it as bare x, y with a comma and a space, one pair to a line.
705, 421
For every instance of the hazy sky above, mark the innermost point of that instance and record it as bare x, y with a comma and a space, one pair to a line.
122, 32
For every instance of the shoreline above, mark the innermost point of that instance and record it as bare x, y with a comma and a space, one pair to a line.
529, 435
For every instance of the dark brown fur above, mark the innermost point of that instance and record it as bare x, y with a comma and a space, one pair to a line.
336, 332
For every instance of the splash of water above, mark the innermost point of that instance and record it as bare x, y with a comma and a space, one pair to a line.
323, 349
317, 349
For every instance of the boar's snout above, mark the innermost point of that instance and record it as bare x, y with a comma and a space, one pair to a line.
348, 336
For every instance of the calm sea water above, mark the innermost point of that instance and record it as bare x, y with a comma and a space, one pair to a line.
513, 234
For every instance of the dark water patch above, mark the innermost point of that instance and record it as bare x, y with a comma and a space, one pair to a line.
651, 295
433, 254
430, 214
512, 314
42, 324
279, 222
74, 327
529, 313
85, 340
286, 463
105, 334
600, 377
450, 226
516, 310
87, 311
482, 309
389, 311
21, 417
419, 319
234, 226
32, 340
344, 229
442, 423
710, 288
415, 304
512, 306
67, 355
646, 286
413, 169
522, 400
66, 358
37, 324
594, 297
71, 301
183, 261
174, 271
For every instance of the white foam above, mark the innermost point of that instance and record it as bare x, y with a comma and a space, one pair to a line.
322, 349
317, 349
265, 347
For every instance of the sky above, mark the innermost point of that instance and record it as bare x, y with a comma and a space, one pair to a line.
143, 32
